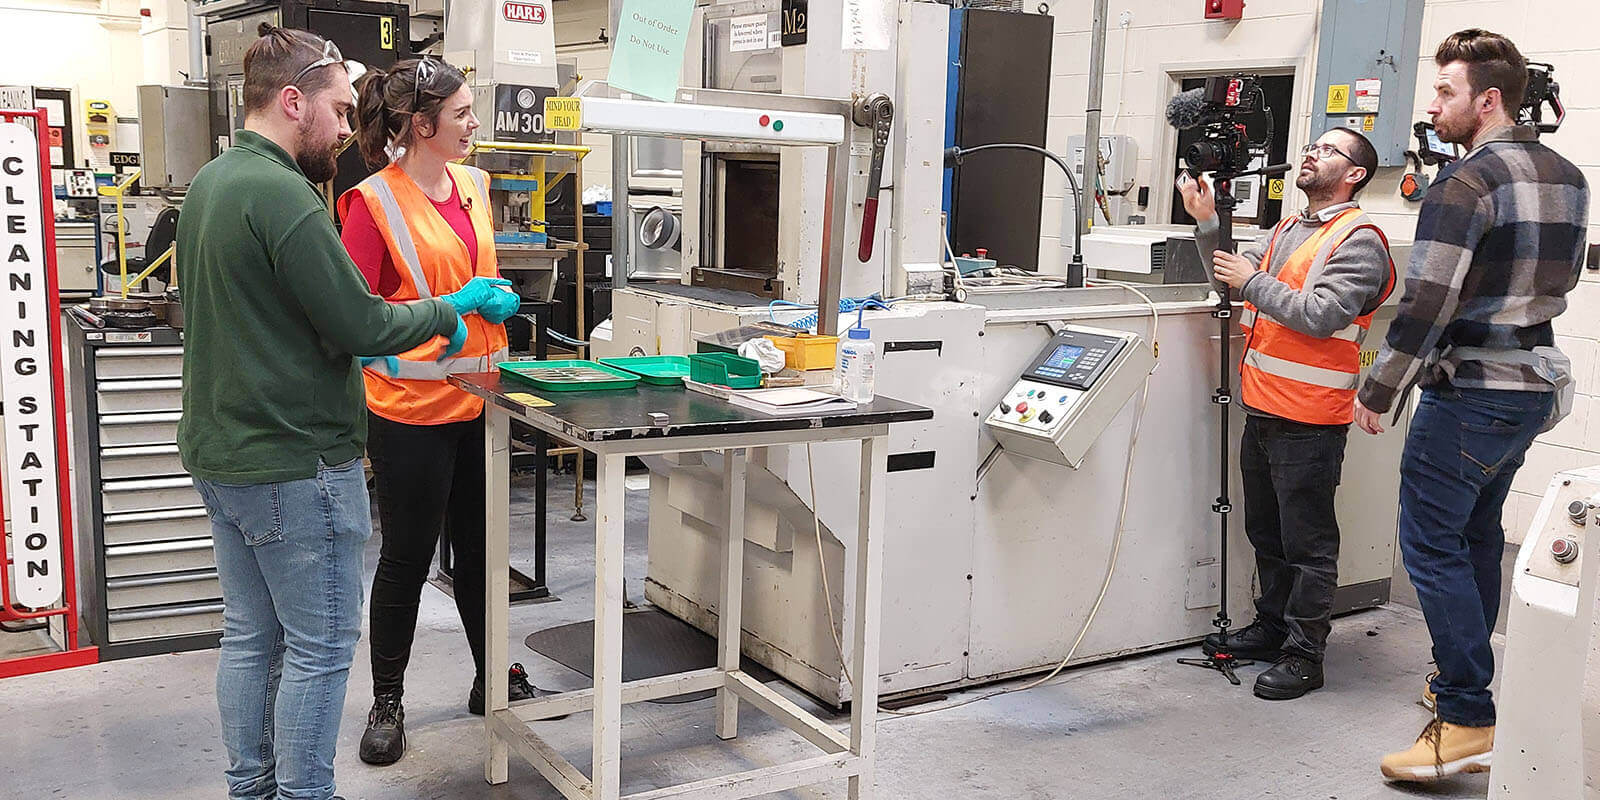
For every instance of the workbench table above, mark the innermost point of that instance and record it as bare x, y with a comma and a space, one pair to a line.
614, 425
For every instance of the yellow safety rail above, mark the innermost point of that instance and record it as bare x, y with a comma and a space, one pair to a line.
122, 226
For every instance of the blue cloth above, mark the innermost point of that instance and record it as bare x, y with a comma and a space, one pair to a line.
289, 559
500, 306
1463, 449
478, 291
458, 340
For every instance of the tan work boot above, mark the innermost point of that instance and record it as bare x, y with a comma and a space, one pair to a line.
1429, 700
1442, 750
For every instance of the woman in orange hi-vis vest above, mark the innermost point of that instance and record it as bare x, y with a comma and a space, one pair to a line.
421, 227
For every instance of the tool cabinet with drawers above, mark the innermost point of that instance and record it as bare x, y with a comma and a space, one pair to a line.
147, 575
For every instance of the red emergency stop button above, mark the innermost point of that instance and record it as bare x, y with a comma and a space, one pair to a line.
1022, 408
1565, 551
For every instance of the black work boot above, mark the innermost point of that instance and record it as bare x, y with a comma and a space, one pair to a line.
1254, 641
520, 689
1291, 677
384, 741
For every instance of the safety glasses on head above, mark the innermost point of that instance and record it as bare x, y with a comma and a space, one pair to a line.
330, 56
427, 71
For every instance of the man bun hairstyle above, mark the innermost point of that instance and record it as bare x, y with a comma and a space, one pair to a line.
1493, 62
1363, 154
274, 59
388, 102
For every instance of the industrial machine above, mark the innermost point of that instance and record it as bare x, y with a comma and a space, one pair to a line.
1004, 528
1539, 738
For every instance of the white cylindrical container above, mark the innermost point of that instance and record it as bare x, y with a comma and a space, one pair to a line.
858, 365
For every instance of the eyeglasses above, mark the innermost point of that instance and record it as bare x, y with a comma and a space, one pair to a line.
1322, 151
427, 69
330, 55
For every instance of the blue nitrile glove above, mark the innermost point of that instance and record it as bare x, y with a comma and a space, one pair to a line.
500, 306
471, 297
390, 363
458, 340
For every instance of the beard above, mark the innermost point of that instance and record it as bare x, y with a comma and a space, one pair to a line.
1453, 131
318, 160
1316, 184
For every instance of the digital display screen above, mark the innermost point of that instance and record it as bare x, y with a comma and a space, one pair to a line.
1065, 356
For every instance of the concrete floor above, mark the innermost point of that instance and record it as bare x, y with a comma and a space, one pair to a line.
1144, 726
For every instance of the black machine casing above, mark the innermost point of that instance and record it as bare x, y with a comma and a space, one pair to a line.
999, 91
376, 34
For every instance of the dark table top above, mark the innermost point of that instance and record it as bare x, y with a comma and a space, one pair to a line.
623, 414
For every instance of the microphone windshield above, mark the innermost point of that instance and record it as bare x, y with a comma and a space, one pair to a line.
1186, 109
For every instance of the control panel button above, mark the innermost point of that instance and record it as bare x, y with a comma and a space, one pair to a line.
1022, 408
1062, 400
1045, 417
1565, 551
1004, 409
1577, 511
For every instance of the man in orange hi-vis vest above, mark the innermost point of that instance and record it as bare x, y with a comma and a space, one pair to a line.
1310, 291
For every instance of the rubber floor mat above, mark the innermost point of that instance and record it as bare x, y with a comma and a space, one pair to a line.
654, 643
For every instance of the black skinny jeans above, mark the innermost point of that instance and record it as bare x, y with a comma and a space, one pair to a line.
1291, 471
428, 478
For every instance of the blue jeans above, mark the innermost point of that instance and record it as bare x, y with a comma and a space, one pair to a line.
289, 559
1464, 448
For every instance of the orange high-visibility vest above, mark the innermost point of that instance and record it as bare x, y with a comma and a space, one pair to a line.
432, 261
1290, 374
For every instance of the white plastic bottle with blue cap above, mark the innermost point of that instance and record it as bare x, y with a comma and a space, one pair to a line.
858, 365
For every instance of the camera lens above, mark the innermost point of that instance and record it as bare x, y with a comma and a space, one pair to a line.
1207, 156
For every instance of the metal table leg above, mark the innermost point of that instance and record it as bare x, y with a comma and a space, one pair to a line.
868, 561
731, 609
496, 584
608, 557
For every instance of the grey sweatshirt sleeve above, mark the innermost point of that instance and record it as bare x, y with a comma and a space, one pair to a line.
1208, 236
1349, 285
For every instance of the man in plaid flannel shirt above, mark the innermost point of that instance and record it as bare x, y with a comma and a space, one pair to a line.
1499, 244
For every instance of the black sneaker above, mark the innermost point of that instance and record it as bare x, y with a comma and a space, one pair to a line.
1291, 677
384, 741
520, 689
1254, 641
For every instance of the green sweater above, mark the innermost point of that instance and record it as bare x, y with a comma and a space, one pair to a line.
275, 314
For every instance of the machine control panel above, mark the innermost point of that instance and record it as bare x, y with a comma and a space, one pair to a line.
1069, 392
1075, 359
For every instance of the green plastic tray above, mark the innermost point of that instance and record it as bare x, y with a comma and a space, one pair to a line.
659, 370
568, 376
724, 369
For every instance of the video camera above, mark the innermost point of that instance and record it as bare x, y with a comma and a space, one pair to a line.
1542, 90
1225, 146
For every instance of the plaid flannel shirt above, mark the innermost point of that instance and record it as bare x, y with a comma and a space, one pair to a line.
1500, 241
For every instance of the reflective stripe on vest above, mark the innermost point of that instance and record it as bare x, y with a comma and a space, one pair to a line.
1304, 373
438, 370
402, 234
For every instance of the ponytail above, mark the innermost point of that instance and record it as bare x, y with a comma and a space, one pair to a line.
372, 119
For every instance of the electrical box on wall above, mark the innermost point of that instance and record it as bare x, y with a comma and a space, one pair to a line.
1224, 9
1119, 160
1367, 72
